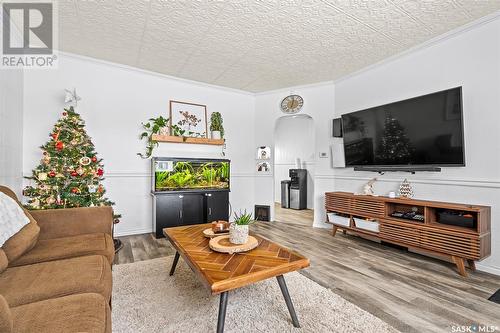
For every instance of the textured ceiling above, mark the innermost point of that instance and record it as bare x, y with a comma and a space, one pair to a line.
257, 45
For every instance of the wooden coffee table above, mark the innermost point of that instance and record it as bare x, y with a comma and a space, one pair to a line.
221, 272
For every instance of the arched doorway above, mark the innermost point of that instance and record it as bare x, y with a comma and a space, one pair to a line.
294, 148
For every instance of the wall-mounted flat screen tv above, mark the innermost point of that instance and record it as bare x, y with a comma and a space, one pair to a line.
425, 130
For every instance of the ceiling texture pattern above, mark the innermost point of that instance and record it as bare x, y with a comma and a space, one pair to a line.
257, 45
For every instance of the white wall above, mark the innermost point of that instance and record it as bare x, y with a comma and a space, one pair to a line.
11, 129
319, 104
294, 138
470, 60
115, 100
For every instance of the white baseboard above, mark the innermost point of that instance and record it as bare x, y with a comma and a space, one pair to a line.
488, 269
321, 225
130, 232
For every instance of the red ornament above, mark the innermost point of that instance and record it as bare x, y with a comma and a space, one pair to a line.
52, 173
59, 145
74, 174
64, 114
74, 190
100, 172
94, 159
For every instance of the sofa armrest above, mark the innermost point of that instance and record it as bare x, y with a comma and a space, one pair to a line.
6, 324
57, 223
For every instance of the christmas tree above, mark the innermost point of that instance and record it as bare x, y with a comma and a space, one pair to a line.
394, 146
69, 174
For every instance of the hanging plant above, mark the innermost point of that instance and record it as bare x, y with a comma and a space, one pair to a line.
153, 126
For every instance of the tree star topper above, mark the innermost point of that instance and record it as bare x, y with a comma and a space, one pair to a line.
71, 97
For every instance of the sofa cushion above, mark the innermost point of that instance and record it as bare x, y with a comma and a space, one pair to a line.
5, 316
37, 282
68, 247
4, 262
76, 313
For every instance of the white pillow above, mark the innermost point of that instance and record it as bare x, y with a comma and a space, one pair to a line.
12, 218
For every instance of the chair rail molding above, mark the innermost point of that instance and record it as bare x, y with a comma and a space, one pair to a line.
470, 182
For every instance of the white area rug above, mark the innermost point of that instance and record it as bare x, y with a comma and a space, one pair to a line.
147, 299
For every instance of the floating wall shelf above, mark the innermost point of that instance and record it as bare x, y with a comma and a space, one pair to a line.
180, 139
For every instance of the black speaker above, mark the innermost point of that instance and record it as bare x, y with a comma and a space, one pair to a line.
337, 128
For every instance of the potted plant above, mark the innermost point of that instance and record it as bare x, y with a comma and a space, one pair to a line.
216, 126
153, 126
238, 230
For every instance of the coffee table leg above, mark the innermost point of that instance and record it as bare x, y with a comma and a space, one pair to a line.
222, 312
288, 300
174, 264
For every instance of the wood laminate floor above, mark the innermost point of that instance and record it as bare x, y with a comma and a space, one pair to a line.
303, 217
411, 292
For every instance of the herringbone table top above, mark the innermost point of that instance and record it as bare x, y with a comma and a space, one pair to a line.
221, 272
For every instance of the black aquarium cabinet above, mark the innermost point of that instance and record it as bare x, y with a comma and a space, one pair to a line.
186, 208
189, 191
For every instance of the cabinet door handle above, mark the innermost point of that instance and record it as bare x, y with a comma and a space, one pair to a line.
180, 214
208, 194
209, 211
181, 196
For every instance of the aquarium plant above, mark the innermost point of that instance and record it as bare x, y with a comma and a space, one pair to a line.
193, 175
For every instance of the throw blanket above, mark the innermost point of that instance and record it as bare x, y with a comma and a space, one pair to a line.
12, 218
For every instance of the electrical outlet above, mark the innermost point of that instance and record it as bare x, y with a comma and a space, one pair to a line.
323, 154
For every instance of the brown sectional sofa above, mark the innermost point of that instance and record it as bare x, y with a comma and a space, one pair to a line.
55, 274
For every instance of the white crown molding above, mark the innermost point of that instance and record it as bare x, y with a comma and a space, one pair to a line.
481, 183
146, 72
429, 43
286, 90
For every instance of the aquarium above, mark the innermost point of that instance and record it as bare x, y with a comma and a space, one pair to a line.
175, 174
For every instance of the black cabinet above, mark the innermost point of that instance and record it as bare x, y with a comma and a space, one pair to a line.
217, 206
176, 209
168, 210
192, 209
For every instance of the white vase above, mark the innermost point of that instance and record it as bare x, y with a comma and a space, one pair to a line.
238, 234
216, 135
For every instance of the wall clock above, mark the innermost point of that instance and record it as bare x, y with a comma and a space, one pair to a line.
292, 104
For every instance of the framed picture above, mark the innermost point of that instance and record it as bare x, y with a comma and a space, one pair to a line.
264, 153
263, 167
190, 119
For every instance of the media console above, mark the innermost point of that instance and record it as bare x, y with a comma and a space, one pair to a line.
469, 240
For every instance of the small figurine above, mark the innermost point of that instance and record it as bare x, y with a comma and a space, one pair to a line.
368, 187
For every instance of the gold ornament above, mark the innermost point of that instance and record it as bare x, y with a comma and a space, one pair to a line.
42, 176
59, 175
51, 200
85, 160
